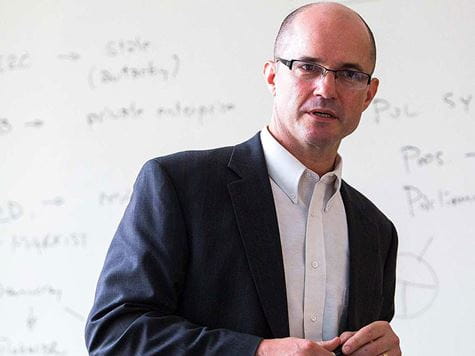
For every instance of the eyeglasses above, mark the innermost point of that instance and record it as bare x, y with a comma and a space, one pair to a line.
310, 71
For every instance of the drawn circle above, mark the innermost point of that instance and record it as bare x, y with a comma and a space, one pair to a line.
417, 286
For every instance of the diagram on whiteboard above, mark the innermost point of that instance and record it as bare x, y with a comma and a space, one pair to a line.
417, 284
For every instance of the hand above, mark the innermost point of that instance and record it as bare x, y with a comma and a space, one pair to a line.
375, 339
296, 347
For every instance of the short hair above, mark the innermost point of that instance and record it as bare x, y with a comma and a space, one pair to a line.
288, 20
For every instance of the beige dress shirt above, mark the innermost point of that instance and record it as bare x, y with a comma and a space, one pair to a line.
314, 239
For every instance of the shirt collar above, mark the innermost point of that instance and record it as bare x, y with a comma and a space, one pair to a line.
335, 175
286, 170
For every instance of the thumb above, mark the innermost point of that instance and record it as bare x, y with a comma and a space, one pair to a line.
330, 345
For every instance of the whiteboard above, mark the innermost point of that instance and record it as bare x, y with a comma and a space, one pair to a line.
90, 90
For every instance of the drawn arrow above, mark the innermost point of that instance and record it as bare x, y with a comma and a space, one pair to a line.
35, 123
72, 56
56, 201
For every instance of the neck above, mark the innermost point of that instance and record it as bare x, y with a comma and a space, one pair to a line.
319, 159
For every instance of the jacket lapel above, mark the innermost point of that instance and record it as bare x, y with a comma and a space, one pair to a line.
254, 208
365, 269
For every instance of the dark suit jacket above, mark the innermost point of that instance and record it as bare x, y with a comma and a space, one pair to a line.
196, 264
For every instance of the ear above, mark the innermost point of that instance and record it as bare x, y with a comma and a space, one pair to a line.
371, 92
269, 76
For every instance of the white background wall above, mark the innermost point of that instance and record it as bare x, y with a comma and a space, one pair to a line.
90, 90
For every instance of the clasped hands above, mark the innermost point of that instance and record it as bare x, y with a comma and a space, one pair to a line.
375, 339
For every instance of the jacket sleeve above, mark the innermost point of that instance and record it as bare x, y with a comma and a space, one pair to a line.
135, 307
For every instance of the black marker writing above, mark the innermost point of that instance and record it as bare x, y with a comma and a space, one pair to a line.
13, 62
37, 123
418, 284
48, 241
9, 347
113, 114
383, 108
163, 71
71, 56
10, 211
413, 156
75, 314
448, 199
453, 101
417, 200
37, 291
5, 126
194, 111
31, 320
126, 47
114, 198
57, 201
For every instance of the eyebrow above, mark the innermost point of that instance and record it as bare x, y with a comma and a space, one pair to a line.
347, 65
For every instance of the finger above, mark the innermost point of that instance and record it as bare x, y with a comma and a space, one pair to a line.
372, 348
365, 336
344, 337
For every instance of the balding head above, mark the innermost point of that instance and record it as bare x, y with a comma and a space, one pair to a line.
324, 12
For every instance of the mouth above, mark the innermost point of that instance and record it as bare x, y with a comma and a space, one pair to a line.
323, 114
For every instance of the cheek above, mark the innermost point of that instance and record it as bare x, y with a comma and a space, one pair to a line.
296, 96
288, 88
354, 105
362, 100
289, 98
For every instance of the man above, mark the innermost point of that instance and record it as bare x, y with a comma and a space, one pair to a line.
261, 248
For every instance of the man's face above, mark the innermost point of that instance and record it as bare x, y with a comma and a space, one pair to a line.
320, 112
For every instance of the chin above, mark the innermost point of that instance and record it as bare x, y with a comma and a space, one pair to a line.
320, 135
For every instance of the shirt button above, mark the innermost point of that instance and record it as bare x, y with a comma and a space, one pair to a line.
315, 264
313, 319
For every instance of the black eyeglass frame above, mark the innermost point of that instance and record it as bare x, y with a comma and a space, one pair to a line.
289, 63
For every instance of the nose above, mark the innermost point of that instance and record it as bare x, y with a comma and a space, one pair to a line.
325, 85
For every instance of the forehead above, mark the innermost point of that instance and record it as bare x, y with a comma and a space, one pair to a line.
333, 36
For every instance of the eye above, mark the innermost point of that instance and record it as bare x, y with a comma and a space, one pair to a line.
309, 68
352, 75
